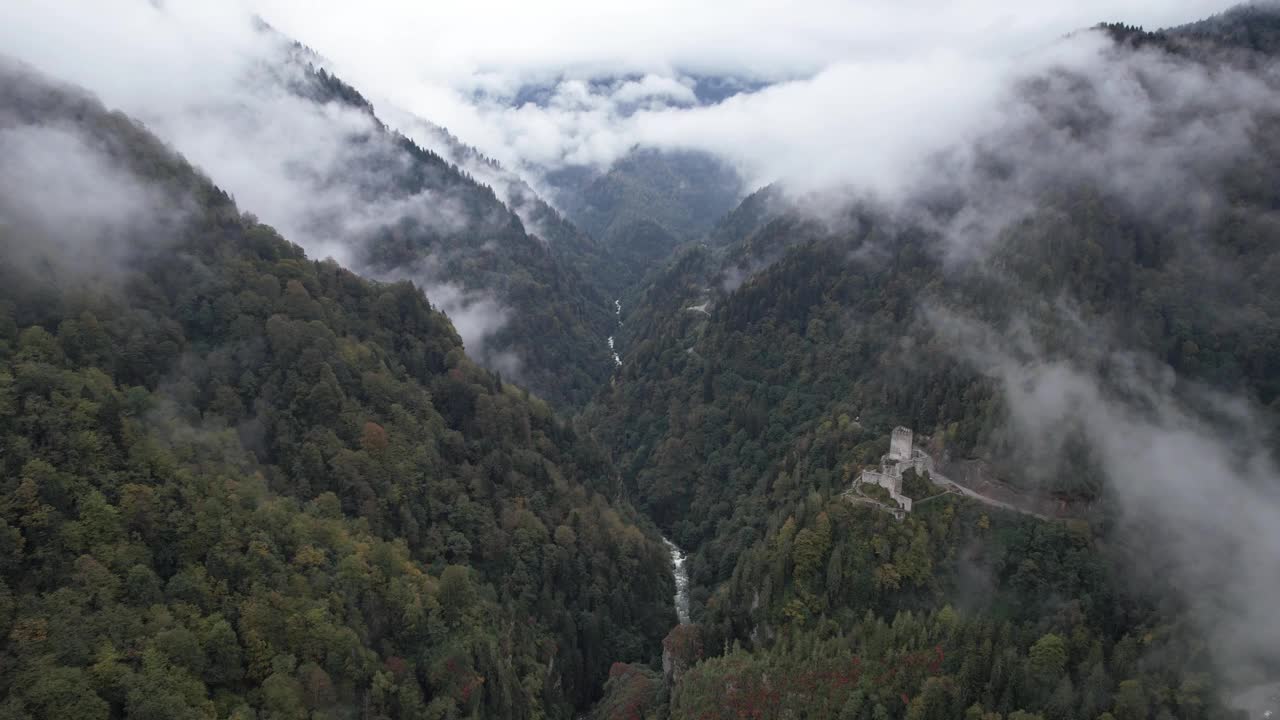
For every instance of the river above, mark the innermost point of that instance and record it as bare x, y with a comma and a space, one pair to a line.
682, 581
617, 311
677, 556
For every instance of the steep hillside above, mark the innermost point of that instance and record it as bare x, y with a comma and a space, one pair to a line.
995, 436
795, 318
1081, 305
308, 153
600, 266
244, 483
530, 292
646, 203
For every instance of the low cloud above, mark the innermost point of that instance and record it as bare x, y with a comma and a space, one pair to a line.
1144, 128
71, 208
476, 316
226, 94
1146, 140
651, 87
235, 100
1197, 485
855, 97
850, 85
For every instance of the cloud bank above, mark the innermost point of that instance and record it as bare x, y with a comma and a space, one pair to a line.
855, 94
1133, 146
847, 80
78, 212
225, 93
1197, 486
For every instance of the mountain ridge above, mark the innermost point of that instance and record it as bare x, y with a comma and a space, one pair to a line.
243, 480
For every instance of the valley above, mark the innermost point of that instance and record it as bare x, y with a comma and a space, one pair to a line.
311, 410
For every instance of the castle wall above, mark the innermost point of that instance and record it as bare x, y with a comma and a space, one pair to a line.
920, 463
889, 482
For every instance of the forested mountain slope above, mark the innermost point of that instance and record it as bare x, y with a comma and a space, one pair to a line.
552, 315
645, 204
239, 482
781, 319
618, 223
599, 266
242, 480
308, 153
1079, 299
1251, 27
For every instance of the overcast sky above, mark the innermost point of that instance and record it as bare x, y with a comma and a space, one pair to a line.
861, 88
406, 42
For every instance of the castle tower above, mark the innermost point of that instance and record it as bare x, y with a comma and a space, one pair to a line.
900, 444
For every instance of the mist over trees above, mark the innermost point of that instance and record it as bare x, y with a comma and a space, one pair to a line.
344, 437
240, 482
1075, 303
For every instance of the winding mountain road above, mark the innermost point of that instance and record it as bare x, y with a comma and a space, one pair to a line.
953, 486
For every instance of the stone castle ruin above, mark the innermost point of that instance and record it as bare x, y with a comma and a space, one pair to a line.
901, 457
